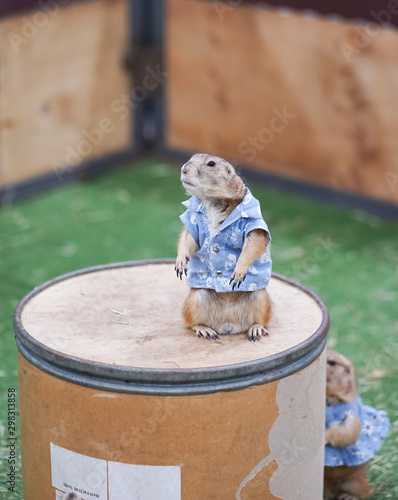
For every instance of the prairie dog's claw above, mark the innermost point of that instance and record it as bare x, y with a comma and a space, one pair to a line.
206, 332
181, 266
237, 278
236, 283
256, 332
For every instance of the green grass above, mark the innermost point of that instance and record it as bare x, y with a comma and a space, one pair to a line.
350, 259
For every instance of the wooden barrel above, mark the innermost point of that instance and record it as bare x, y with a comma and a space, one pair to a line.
119, 401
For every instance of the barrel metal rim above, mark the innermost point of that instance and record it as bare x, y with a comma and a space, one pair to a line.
167, 381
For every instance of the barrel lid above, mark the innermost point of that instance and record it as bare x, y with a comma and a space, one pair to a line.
119, 327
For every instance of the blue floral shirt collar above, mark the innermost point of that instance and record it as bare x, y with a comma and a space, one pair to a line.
249, 207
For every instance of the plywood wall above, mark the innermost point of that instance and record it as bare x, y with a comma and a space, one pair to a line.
307, 98
61, 82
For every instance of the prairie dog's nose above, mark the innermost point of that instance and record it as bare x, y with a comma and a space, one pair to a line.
184, 168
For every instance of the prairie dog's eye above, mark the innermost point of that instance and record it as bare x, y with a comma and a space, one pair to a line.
211, 163
331, 362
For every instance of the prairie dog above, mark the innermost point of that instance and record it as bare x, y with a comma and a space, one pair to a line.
341, 388
224, 252
354, 432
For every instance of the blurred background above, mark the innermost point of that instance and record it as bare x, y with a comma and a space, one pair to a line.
101, 101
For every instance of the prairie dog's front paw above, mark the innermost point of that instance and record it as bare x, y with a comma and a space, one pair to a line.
329, 434
343, 433
238, 276
181, 265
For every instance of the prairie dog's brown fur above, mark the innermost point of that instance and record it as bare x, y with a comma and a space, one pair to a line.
206, 311
340, 379
343, 482
347, 483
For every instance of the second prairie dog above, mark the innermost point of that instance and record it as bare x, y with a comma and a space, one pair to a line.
343, 482
341, 388
217, 191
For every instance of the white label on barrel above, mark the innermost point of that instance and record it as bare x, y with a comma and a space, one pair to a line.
72, 471
144, 482
90, 478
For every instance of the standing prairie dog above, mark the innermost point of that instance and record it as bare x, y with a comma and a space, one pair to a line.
354, 432
224, 252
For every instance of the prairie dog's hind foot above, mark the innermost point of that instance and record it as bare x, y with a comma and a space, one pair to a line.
256, 332
206, 332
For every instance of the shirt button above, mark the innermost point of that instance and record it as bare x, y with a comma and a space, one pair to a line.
216, 249
219, 273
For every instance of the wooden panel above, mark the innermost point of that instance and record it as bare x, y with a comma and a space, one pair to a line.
61, 78
359, 9
302, 97
17, 6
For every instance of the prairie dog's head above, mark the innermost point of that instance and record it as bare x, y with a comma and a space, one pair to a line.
340, 379
211, 177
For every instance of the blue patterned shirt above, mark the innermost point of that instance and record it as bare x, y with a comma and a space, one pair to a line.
213, 264
375, 425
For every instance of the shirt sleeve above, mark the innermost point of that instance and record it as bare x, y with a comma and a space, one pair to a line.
190, 220
256, 224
